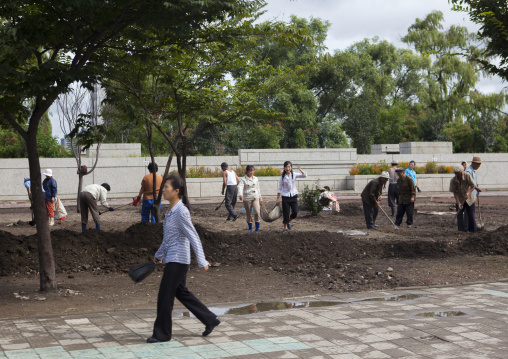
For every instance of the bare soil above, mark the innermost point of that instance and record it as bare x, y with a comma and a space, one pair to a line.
310, 259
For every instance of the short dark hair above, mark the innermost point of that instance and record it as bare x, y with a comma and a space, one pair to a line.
152, 167
412, 161
249, 167
224, 165
178, 183
106, 186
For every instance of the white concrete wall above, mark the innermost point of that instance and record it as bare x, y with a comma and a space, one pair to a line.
330, 166
425, 147
114, 150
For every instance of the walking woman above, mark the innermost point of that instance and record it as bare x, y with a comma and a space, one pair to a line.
287, 188
250, 194
179, 236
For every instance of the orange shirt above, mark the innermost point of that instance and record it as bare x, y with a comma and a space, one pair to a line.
147, 184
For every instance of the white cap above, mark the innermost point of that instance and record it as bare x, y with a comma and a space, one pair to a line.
385, 175
48, 172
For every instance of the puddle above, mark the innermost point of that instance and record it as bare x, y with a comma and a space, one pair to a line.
352, 232
442, 314
398, 298
270, 306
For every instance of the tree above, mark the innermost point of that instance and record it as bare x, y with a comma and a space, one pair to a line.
491, 16
72, 107
46, 46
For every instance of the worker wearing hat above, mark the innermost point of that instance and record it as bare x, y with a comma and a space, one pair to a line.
462, 186
407, 194
393, 189
49, 186
371, 195
475, 164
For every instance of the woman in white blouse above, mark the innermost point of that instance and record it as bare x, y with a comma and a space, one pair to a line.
287, 188
250, 194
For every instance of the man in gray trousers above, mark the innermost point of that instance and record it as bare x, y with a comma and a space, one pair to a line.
230, 183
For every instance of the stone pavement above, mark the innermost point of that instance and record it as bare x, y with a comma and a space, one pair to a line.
469, 321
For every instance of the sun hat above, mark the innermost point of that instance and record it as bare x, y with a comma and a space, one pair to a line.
476, 159
458, 168
385, 175
48, 172
26, 179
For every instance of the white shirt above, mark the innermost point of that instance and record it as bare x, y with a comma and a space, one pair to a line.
98, 192
231, 178
287, 185
179, 236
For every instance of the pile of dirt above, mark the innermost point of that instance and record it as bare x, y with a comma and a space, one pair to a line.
328, 259
349, 209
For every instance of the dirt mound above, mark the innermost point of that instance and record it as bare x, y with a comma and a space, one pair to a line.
325, 258
350, 209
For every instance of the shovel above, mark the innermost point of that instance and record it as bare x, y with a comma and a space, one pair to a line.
480, 226
217, 208
382, 210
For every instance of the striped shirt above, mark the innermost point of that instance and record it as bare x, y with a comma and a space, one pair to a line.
179, 235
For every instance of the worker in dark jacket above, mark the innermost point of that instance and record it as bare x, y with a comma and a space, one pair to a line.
407, 194
371, 196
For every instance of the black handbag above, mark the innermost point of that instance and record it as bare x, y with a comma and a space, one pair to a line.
140, 271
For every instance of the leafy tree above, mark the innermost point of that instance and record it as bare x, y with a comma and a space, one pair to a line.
45, 46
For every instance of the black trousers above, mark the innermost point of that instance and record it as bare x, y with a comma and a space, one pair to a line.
370, 213
289, 204
173, 286
408, 209
466, 219
230, 200
393, 194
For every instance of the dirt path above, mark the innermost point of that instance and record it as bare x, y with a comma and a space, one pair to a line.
311, 259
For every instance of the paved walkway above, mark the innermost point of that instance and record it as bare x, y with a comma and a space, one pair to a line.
391, 324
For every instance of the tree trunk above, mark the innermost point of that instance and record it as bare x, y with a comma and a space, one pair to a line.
80, 187
154, 173
46, 259
183, 170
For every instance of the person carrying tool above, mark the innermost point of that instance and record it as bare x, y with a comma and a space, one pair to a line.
230, 183
462, 186
147, 208
407, 194
393, 189
88, 200
371, 196
50, 191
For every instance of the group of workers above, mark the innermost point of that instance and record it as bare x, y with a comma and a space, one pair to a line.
402, 187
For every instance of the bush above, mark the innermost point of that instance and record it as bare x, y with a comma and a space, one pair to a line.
431, 167
203, 172
445, 169
377, 168
309, 199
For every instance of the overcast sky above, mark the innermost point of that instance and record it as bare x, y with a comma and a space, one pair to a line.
354, 20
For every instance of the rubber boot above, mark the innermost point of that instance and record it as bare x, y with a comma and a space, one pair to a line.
250, 227
393, 210
98, 226
51, 221
258, 226
83, 227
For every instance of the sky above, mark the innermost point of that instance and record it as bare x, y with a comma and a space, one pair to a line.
353, 20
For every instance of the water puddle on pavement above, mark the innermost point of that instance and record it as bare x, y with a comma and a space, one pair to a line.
398, 298
283, 305
451, 313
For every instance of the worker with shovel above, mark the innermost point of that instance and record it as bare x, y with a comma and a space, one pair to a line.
88, 199
407, 194
371, 196
462, 186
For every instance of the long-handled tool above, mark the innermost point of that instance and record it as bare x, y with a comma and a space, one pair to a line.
118, 207
480, 226
382, 210
32, 222
217, 208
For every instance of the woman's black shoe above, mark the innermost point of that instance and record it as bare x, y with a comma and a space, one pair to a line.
155, 340
209, 328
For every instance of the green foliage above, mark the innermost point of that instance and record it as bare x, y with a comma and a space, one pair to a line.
377, 168
205, 172
309, 199
431, 167
300, 139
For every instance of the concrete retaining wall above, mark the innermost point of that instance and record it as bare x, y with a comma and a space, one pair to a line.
330, 166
